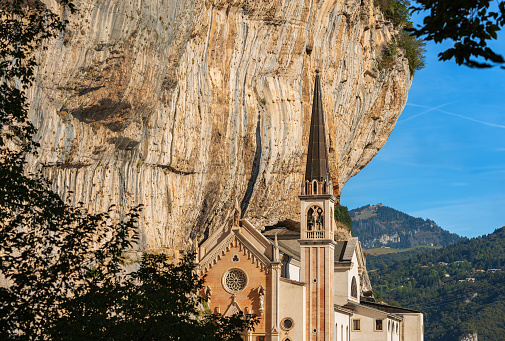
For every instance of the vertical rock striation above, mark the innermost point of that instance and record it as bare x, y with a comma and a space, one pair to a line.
185, 106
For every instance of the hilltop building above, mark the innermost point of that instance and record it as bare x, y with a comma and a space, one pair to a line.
302, 282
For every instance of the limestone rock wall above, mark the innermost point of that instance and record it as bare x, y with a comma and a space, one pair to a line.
186, 106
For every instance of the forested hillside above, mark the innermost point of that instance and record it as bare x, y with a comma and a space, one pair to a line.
379, 226
461, 287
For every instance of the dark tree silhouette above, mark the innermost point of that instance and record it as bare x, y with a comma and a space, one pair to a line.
470, 24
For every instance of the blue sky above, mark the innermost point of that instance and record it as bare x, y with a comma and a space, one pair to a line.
445, 159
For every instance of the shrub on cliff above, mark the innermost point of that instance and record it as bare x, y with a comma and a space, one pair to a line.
397, 11
342, 214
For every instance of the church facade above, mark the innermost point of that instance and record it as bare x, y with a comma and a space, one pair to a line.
301, 281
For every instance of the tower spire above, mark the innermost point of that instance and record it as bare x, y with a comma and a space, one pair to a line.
317, 226
317, 154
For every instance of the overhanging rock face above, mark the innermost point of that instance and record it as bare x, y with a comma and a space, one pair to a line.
187, 106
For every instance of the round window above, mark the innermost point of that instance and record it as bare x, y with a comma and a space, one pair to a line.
234, 280
287, 323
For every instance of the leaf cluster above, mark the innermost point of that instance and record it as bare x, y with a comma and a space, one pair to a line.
469, 24
24, 25
395, 10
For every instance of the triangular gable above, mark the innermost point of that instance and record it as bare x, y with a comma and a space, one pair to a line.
360, 255
214, 239
236, 237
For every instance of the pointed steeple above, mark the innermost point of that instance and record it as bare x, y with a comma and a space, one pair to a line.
317, 155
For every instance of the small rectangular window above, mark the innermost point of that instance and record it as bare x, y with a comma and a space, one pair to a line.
378, 325
260, 338
356, 325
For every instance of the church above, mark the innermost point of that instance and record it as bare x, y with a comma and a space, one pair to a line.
301, 280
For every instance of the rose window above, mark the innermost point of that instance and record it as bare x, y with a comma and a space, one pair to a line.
235, 280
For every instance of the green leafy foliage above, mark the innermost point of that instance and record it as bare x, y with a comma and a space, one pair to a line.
395, 10
453, 286
23, 27
370, 223
52, 257
469, 24
387, 59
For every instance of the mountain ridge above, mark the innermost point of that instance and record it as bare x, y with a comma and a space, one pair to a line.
382, 226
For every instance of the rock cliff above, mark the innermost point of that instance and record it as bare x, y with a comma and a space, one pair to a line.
185, 106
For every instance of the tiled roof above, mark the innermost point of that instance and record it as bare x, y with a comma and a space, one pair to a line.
389, 308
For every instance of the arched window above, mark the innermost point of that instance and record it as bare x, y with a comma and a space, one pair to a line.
314, 187
315, 218
354, 287
310, 219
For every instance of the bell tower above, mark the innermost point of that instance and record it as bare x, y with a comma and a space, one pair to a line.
317, 229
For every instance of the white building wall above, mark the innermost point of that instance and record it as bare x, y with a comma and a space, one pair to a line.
367, 331
413, 329
292, 297
354, 273
341, 326
341, 284
343, 279
391, 328
294, 272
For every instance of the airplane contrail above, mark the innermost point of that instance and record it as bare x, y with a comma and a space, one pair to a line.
423, 112
437, 108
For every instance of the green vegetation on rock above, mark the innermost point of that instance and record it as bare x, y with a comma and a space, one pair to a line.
342, 214
397, 11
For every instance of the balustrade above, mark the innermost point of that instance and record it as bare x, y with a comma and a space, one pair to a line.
318, 234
